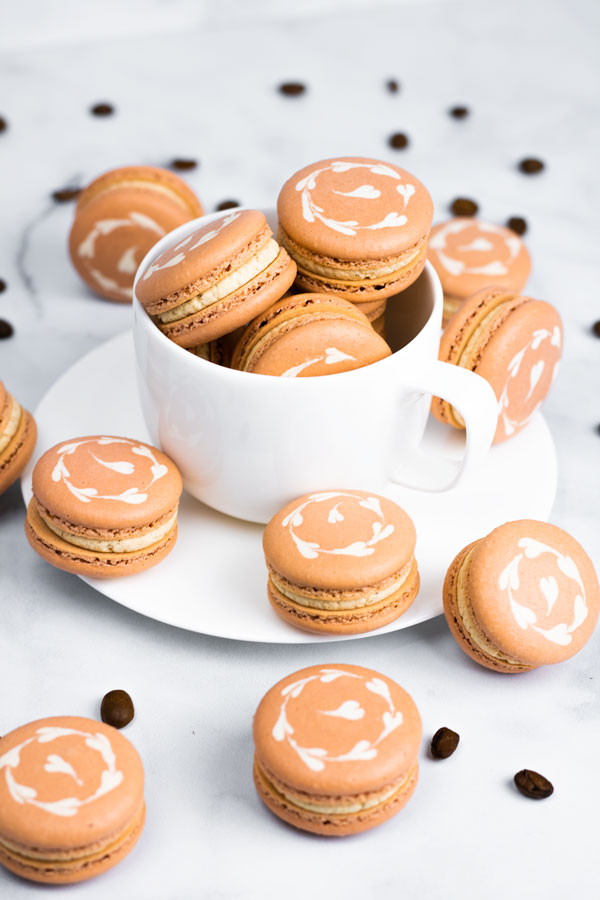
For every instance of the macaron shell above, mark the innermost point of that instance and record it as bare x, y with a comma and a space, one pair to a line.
469, 255
104, 482
355, 208
339, 539
337, 711
534, 591
17, 453
152, 176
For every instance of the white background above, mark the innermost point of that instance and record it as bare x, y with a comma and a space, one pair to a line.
193, 79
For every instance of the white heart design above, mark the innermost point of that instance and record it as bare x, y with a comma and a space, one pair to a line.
349, 709
364, 192
333, 355
549, 588
535, 375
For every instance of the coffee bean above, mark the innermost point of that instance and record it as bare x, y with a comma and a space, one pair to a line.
517, 224
462, 206
102, 109
3, 124
2, 286
292, 88
532, 784
117, 709
398, 141
392, 86
6, 329
596, 328
227, 204
64, 195
531, 166
444, 743
183, 165
459, 112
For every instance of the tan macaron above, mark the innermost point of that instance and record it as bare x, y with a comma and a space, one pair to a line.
18, 434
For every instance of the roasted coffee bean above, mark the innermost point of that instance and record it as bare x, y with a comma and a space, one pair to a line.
6, 329
292, 88
463, 206
64, 195
532, 784
398, 141
117, 709
102, 109
183, 165
392, 86
227, 204
517, 224
531, 166
596, 328
459, 112
3, 124
444, 743
2, 286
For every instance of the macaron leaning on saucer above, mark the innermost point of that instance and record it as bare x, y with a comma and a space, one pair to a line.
119, 217
515, 343
356, 227
103, 506
469, 255
216, 279
336, 749
341, 562
18, 434
71, 799
308, 334
524, 596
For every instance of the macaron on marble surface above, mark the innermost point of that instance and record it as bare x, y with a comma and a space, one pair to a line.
336, 749
524, 596
216, 279
469, 255
18, 434
515, 343
71, 799
309, 334
119, 217
356, 227
103, 506
341, 562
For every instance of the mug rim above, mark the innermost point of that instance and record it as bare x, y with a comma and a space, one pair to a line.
142, 320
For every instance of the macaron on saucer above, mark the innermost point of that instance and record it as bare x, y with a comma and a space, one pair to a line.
515, 343
18, 435
336, 749
216, 279
119, 217
524, 596
355, 227
71, 799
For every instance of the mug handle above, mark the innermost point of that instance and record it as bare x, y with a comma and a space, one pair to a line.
476, 402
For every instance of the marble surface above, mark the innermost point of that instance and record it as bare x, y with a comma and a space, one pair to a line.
188, 80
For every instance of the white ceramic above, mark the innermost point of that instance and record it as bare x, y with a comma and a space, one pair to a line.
214, 581
246, 444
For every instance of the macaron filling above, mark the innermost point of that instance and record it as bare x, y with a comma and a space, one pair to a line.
125, 545
12, 425
169, 191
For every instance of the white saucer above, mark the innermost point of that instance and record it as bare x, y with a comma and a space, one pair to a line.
214, 581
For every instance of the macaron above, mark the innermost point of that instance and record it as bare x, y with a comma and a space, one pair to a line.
103, 506
18, 434
119, 217
515, 343
217, 278
308, 334
336, 749
525, 596
341, 562
71, 799
469, 255
355, 227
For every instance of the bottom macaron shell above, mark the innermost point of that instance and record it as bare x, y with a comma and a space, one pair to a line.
333, 825
73, 871
16, 455
93, 564
353, 621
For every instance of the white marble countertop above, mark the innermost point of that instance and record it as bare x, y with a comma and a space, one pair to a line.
198, 80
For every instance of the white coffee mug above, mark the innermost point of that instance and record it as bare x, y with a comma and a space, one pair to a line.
246, 444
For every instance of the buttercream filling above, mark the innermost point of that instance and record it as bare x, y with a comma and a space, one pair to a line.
10, 429
168, 190
469, 623
335, 600
227, 285
125, 545
367, 274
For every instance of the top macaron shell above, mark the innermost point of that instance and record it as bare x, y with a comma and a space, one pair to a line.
67, 782
106, 482
354, 208
469, 255
337, 730
534, 591
339, 540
